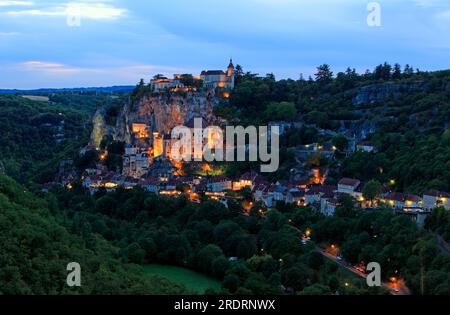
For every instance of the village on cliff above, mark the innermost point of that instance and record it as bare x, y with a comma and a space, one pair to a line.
147, 162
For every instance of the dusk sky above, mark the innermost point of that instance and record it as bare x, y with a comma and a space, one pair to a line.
118, 42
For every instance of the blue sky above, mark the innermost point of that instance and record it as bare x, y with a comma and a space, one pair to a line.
118, 42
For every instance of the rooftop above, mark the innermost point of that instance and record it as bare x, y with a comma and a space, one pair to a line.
349, 182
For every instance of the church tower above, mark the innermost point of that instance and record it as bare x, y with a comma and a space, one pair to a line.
230, 75
230, 70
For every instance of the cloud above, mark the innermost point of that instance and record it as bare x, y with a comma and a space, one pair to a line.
48, 67
15, 3
134, 71
93, 11
9, 33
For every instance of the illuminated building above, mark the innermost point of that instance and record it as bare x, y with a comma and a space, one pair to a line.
219, 78
140, 130
434, 198
212, 79
158, 145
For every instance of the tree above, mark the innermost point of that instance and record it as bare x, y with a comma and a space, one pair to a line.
238, 74
316, 289
372, 190
383, 71
135, 253
409, 71
281, 111
231, 282
321, 119
324, 74
316, 160
340, 142
351, 249
206, 256
397, 72
219, 266
187, 79
315, 260
296, 277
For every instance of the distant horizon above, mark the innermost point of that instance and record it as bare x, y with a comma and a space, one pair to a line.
170, 74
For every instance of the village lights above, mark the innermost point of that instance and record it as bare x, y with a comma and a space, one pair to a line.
102, 156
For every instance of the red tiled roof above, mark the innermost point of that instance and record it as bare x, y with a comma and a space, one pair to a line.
396, 196
413, 198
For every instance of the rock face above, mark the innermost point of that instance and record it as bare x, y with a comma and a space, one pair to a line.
381, 91
100, 128
161, 112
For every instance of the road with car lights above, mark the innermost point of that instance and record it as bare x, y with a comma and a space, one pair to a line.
395, 288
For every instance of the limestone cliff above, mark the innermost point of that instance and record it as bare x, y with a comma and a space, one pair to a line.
380, 91
161, 112
100, 127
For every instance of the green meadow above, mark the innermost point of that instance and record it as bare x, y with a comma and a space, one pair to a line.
193, 281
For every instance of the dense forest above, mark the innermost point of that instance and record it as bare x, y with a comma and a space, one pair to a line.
152, 229
36, 249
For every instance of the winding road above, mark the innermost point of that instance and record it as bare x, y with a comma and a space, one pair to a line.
399, 288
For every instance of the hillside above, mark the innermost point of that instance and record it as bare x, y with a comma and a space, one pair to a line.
36, 250
405, 113
35, 136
